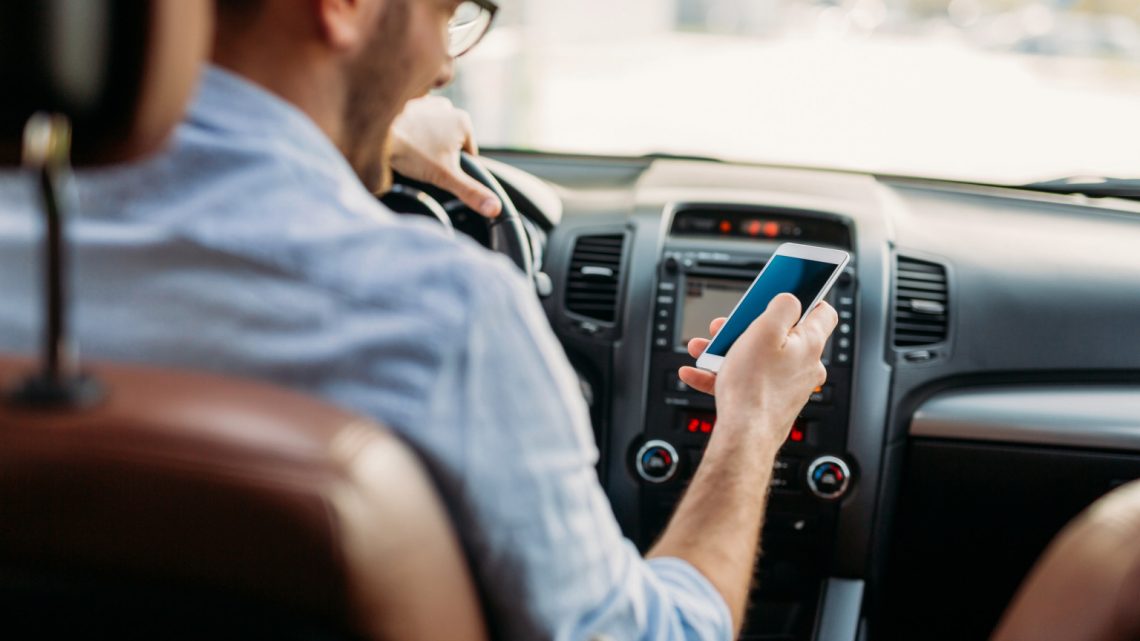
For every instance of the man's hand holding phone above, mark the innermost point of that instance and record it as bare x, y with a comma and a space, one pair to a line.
771, 370
763, 382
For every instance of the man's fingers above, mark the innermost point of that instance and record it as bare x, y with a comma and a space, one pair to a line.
697, 346
780, 317
819, 324
698, 379
473, 193
715, 326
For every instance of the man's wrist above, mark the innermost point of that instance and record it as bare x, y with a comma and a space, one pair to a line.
759, 434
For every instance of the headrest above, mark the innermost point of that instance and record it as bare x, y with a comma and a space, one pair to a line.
121, 70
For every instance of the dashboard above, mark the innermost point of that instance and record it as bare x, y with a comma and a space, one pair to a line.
984, 381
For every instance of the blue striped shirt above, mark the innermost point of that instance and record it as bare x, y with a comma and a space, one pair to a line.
250, 248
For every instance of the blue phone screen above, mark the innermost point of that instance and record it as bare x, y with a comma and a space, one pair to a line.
803, 278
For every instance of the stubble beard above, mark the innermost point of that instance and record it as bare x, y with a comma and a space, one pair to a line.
376, 87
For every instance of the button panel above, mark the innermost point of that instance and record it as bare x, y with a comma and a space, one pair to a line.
842, 342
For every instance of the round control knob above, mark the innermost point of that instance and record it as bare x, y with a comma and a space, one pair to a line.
671, 265
656, 462
828, 477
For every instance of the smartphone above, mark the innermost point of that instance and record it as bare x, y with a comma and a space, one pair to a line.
804, 271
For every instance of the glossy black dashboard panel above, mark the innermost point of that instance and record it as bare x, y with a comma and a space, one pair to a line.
1025, 290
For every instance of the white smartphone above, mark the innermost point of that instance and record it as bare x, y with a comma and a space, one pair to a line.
804, 271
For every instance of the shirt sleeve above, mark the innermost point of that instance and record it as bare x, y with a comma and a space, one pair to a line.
522, 486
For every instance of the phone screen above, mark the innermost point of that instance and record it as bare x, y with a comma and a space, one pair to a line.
801, 277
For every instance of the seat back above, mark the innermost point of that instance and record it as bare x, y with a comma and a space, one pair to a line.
1086, 587
192, 506
168, 505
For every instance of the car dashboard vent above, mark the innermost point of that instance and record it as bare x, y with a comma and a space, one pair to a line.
921, 303
595, 272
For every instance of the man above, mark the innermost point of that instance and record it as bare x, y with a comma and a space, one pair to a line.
253, 247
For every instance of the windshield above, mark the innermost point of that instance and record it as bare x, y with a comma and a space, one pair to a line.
999, 91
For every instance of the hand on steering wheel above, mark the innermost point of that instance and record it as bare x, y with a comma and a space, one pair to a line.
433, 154
504, 233
426, 140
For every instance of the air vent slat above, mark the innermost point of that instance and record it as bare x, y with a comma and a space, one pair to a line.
921, 303
595, 272
591, 285
902, 315
590, 256
921, 276
934, 328
911, 295
914, 284
913, 265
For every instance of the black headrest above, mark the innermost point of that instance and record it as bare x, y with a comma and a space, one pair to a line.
94, 61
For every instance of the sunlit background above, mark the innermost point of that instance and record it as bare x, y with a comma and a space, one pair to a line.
1001, 91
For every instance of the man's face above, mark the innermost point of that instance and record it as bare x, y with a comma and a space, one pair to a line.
405, 58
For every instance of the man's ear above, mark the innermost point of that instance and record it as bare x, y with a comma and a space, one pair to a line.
346, 25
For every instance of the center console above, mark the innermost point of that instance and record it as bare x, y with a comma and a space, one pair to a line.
709, 259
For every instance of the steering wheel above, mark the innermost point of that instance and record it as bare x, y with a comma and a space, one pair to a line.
505, 234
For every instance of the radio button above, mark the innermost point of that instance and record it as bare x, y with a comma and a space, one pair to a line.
656, 462
828, 477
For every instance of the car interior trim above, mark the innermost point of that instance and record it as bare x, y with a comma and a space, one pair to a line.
1100, 417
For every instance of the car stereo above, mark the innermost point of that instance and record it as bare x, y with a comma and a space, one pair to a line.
812, 472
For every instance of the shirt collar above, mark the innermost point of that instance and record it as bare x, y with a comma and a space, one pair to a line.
234, 106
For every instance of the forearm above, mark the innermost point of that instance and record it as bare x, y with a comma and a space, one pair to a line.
716, 527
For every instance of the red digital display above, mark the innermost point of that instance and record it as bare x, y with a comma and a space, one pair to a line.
698, 422
696, 425
705, 423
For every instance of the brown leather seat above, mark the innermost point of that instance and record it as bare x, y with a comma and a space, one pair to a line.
232, 495
182, 505
1086, 587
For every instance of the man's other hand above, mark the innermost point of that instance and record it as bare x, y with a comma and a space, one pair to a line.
426, 140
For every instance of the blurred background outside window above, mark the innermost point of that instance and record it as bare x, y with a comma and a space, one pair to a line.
1000, 91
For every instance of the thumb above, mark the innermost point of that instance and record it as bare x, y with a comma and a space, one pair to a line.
473, 193
781, 316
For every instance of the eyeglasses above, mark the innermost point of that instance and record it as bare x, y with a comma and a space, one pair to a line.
472, 21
